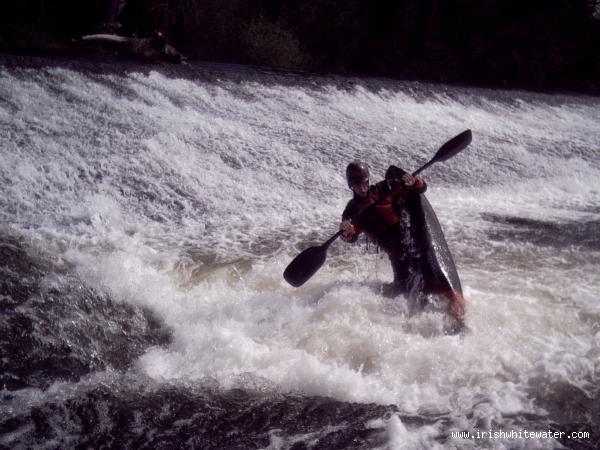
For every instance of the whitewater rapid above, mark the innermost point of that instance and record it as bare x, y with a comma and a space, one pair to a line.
187, 192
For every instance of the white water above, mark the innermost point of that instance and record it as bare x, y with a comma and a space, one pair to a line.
191, 197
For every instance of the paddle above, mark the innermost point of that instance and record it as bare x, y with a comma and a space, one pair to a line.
306, 264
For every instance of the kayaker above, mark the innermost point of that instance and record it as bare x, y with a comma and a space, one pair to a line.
380, 211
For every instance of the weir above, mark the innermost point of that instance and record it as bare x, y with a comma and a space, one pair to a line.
185, 191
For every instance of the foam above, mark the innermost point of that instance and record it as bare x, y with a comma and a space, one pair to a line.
190, 198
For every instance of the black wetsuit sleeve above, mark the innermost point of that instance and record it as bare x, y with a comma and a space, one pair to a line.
348, 211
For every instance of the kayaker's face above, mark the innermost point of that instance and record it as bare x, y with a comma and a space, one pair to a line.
362, 188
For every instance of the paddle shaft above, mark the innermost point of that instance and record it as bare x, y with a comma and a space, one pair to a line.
306, 264
328, 242
448, 150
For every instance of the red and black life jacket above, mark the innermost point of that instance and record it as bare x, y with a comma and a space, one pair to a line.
378, 213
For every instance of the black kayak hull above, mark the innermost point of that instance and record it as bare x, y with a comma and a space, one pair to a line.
437, 264
434, 262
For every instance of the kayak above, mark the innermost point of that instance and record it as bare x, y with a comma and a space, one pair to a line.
435, 263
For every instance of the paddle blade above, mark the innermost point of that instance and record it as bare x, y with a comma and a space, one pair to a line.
305, 265
453, 146
448, 150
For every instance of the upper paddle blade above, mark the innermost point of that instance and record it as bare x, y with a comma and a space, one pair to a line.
305, 265
310, 260
448, 150
453, 146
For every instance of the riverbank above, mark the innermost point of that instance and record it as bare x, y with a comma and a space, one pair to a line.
551, 47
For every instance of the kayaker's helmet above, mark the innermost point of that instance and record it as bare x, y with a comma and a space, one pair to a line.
357, 172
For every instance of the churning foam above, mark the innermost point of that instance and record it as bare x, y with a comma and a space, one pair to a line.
190, 198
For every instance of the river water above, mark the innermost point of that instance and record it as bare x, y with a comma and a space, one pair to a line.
147, 214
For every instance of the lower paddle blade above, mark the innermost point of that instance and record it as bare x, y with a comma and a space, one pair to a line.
305, 265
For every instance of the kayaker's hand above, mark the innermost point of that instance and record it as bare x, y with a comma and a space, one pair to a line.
348, 230
408, 179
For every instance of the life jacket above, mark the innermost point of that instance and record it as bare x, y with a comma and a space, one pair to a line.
375, 214
384, 205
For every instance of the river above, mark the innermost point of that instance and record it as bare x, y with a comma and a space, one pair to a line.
147, 214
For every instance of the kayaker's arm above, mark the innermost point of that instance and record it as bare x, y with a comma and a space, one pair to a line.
415, 183
349, 231
410, 183
407, 184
